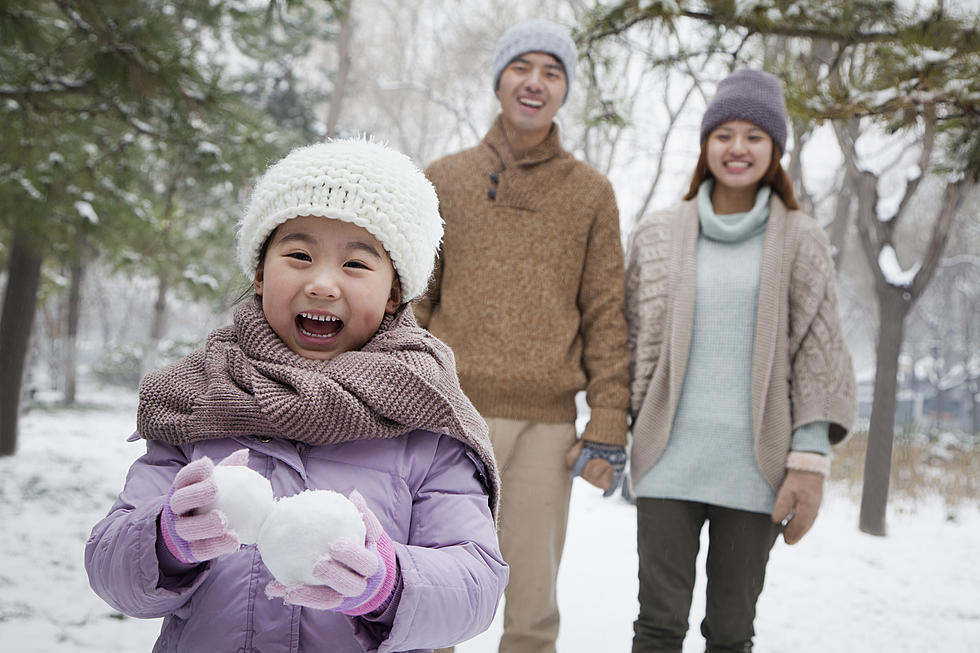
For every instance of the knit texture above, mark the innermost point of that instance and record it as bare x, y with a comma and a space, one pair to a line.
535, 36
246, 381
751, 95
709, 457
801, 369
356, 181
529, 289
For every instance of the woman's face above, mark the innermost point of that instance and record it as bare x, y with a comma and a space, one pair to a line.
738, 154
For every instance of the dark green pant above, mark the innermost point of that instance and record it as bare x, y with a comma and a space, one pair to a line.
668, 538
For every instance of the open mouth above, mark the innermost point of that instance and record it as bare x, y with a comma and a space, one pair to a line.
530, 102
318, 326
737, 165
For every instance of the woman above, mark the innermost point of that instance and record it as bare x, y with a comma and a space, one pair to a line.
740, 377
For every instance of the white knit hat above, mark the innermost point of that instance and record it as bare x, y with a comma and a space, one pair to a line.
357, 181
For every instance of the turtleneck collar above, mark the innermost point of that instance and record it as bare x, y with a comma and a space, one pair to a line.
733, 227
549, 148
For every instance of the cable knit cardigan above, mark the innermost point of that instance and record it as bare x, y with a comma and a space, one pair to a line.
801, 368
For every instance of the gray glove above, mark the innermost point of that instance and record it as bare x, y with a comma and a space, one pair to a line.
598, 463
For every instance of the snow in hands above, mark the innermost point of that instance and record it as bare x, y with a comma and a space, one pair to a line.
292, 533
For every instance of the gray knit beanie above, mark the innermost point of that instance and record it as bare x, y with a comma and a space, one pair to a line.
753, 96
536, 36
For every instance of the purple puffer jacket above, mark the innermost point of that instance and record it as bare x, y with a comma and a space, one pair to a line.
427, 492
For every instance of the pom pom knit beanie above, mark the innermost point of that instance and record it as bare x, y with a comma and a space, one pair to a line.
536, 36
751, 95
356, 181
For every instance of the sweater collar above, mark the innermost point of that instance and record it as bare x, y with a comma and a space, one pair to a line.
733, 227
549, 148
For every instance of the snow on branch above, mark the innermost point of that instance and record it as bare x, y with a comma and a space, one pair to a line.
892, 270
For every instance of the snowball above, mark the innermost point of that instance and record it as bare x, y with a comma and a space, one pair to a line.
245, 496
300, 530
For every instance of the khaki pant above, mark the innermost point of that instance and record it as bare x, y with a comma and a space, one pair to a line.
535, 490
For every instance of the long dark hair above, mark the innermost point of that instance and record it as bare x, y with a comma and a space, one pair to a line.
775, 177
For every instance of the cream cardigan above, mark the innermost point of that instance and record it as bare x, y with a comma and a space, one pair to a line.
801, 368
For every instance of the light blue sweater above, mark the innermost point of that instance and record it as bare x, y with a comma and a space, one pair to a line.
710, 457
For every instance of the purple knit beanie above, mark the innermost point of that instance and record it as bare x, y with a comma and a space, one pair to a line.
753, 96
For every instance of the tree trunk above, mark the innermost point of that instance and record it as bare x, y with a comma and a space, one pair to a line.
19, 305
343, 68
151, 353
71, 337
893, 307
974, 407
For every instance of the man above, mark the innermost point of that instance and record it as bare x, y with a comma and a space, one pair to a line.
529, 293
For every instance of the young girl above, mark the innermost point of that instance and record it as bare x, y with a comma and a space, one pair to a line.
740, 377
324, 381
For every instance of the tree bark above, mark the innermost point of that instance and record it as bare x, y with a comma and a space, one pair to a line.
893, 307
151, 354
19, 306
71, 337
343, 68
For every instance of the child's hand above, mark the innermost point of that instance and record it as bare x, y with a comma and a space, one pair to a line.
190, 536
356, 579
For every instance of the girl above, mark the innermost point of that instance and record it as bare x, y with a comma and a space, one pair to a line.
324, 381
740, 377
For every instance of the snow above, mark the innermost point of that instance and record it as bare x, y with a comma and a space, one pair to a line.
918, 589
245, 497
892, 269
300, 530
86, 211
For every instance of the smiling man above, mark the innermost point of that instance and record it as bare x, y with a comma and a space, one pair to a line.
529, 293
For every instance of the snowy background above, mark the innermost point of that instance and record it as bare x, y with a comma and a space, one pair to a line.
916, 590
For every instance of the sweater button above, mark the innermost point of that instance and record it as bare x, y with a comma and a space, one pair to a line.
494, 177
492, 193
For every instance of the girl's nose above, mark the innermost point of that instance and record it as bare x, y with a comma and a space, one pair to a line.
323, 285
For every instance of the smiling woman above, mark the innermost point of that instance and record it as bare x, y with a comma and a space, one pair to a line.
741, 379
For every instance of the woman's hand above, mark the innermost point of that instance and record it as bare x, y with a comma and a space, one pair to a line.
798, 503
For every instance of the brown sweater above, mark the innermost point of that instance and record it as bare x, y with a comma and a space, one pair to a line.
801, 370
529, 288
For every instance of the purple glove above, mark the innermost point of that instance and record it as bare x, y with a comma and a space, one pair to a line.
356, 579
190, 536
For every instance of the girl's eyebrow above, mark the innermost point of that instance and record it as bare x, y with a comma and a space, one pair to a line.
297, 235
354, 245
360, 245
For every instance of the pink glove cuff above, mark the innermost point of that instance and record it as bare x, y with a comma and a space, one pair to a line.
807, 461
178, 546
378, 592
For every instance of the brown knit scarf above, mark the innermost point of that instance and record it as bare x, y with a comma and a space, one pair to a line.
246, 382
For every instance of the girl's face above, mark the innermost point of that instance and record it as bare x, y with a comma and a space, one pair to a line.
738, 154
325, 286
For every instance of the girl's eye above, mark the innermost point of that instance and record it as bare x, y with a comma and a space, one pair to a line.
356, 264
300, 256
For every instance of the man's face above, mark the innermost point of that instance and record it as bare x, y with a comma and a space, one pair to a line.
531, 90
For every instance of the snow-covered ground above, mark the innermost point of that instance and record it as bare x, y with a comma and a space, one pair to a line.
838, 590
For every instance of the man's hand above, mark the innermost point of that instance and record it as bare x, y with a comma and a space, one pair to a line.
598, 463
